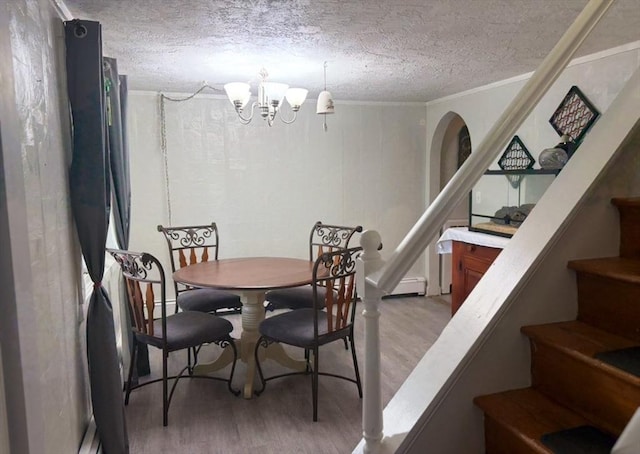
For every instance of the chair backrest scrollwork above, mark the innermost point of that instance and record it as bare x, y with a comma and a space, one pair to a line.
336, 271
327, 238
144, 278
189, 245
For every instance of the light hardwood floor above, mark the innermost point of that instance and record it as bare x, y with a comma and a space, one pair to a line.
205, 418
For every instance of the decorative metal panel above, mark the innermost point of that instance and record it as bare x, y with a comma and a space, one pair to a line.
516, 157
574, 116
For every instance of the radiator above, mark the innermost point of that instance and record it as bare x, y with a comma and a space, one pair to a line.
410, 286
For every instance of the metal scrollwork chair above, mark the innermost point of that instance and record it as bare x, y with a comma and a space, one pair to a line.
330, 318
145, 281
323, 238
189, 245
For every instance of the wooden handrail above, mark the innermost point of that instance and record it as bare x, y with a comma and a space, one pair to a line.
425, 230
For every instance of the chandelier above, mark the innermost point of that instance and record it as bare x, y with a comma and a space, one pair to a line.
270, 99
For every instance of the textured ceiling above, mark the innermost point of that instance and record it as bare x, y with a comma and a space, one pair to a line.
376, 50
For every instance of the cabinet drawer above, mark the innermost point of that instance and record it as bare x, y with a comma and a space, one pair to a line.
470, 262
481, 253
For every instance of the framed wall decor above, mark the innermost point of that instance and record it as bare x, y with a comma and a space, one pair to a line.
574, 116
516, 157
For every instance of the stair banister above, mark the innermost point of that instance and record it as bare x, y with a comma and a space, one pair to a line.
418, 238
379, 277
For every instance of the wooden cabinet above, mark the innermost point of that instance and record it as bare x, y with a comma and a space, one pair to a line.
469, 264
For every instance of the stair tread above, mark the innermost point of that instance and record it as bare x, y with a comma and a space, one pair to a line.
620, 268
626, 201
588, 439
582, 341
627, 359
529, 413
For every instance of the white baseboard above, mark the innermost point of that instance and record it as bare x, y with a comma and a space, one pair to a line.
410, 286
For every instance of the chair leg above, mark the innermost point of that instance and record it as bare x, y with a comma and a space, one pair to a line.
306, 359
355, 365
262, 341
132, 364
346, 345
232, 344
189, 363
314, 383
165, 397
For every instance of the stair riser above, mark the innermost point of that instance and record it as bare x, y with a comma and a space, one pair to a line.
500, 440
606, 399
609, 304
629, 231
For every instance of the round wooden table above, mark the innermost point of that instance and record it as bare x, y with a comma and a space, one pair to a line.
250, 277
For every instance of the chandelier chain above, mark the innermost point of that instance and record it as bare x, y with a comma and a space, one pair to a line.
163, 146
163, 140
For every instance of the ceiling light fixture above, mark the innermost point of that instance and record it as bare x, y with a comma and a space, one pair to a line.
324, 105
270, 95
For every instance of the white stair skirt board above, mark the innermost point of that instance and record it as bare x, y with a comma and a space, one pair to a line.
90, 442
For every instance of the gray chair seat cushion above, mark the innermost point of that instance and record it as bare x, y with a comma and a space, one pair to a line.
207, 300
186, 329
296, 328
294, 298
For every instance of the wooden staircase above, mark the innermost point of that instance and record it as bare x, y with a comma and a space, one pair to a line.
581, 398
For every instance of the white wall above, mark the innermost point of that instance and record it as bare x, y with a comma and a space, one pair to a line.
600, 77
46, 395
265, 187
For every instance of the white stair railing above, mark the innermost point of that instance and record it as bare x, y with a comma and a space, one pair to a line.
376, 278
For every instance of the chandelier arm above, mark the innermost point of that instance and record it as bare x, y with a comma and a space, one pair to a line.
288, 122
271, 115
270, 118
246, 120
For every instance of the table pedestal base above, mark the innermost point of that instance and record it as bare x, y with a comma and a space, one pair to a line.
252, 315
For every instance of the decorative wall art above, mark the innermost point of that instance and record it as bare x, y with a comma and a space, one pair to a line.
574, 117
516, 157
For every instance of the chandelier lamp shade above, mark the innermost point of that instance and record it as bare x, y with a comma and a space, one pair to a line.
324, 106
325, 103
269, 101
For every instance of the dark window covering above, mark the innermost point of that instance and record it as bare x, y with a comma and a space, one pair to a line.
116, 110
89, 181
118, 153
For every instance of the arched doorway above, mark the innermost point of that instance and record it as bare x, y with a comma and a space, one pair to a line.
454, 143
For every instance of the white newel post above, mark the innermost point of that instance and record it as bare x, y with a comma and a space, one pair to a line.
369, 262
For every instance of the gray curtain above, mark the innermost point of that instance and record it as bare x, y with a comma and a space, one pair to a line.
118, 152
89, 180
116, 114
